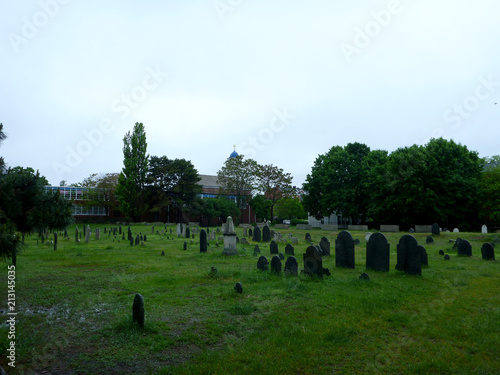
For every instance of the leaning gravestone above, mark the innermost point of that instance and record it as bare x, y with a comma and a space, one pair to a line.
276, 264
409, 257
435, 229
262, 263
324, 245
203, 241
377, 253
131, 241
138, 310
313, 262
344, 250
424, 260
273, 247
289, 250
266, 234
464, 248
256, 235
487, 251
291, 266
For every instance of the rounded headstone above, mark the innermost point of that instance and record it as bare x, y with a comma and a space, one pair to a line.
282, 256
441, 252
364, 276
367, 236
429, 240
411, 230
446, 257
239, 288
138, 310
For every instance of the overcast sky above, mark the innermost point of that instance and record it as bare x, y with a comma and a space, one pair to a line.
284, 81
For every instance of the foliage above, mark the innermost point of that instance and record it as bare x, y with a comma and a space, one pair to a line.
132, 180
238, 177
273, 182
220, 208
261, 207
290, 208
489, 185
172, 182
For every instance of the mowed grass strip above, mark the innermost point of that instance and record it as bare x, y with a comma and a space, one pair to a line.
74, 310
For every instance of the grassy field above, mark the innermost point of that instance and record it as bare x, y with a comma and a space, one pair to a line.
74, 310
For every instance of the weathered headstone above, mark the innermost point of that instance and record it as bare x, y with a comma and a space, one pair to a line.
377, 253
424, 259
464, 248
282, 256
123, 236
76, 234
276, 264
409, 257
324, 245
435, 230
256, 235
87, 234
55, 241
429, 240
274, 247
289, 250
163, 253
229, 238
367, 236
120, 229
456, 230
484, 229
245, 231
137, 240
131, 241
291, 266
250, 232
188, 232
308, 237
364, 276
185, 246
313, 262
295, 240
262, 263
153, 229
256, 250
145, 238
487, 251
411, 230
446, 257
266, 234
344, 250
203, 241
130, 237
138, 310
239, 288
441, 252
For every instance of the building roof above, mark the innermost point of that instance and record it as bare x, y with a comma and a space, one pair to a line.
208, 181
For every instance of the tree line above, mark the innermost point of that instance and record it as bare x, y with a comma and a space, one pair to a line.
441, 181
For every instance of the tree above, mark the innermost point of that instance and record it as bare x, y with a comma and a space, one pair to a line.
336, 183
172, 182
290, 208
238, 177
261, 207
3, 136
132, 179
489, 186
220, 208
273, 182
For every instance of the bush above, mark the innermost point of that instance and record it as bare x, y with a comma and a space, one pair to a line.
298, 221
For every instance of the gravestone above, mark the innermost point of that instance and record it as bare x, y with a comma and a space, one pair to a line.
145, 238
97, 234
464, 248
411, 230
313, 262
105, 231
162, 253
377, 253
364, 276
123, 236
178, 230
131, 241
295, 240
484, 229
245, 231
203, 241
137, 240
324, 245
429, 240
256, 235
229, 238
120, 229
344, 250
409, 257
289, 250
282, 256
367, 236
266, 234
308, 237
291, 266
130, 237
87, 234
274, 247
188, 232
424, 259
138, 310
262, 263
153, 229
244, 241
250, 232
76, 234
141, 237
276, 265
446, 257
239, 288
185, 245
256, 250
456, 230
213, 235
441, 252
55, 241
435, 230
487, 251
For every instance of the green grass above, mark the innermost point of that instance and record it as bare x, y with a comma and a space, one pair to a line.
75, 311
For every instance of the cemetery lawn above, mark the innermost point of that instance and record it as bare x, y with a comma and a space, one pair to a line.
74, 310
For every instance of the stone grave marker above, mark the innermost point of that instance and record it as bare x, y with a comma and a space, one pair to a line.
256, 250
424, 260
364, 276
203, 241
262, 263
266, 234
188, 232
282, 256
464, 248
185, 245
367, 236
76, 234
250, 232
245, 231
429, 240
291, 266
324, 245
137, 240
138, 310
256, 235
411, 230
377, 253
308, 237
435, 230
409, 257
229, 238
289, 250
446, 257
487, 251
295, 241
276, 264
484, 229
238, 288
55, 241
344, 250
313, 261
441, 252
273, 247
456, 230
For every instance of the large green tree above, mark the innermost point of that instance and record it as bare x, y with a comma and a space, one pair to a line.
489, 185
273, 183
133, 177
172, 182
220, 208
336, 183
290, 208
261, 207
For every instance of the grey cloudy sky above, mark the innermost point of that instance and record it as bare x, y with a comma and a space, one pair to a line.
284, 81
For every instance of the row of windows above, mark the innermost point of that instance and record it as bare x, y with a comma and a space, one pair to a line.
93, 210
77, 193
